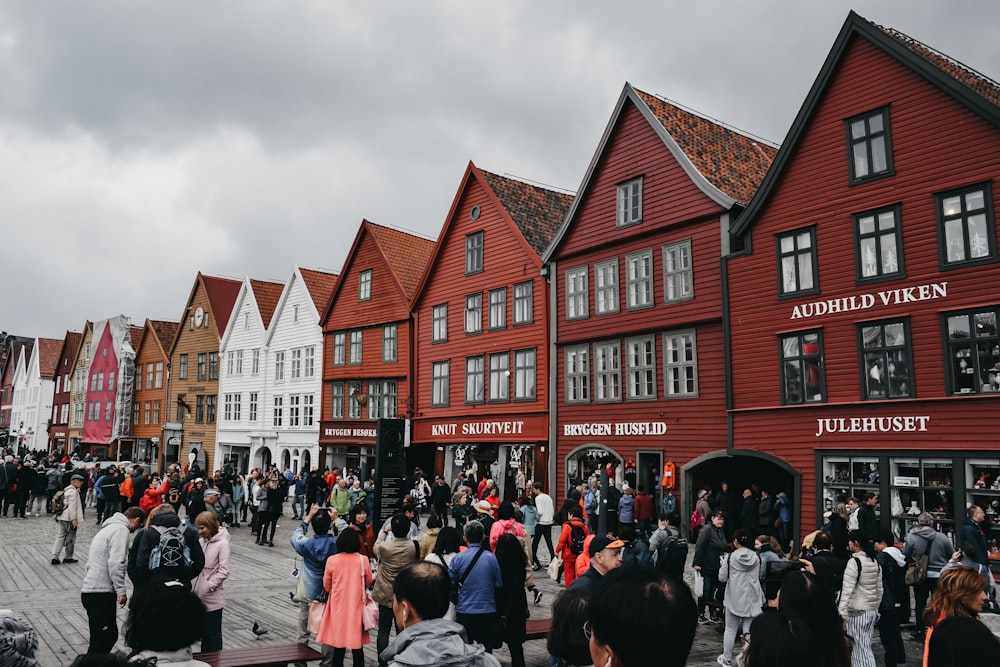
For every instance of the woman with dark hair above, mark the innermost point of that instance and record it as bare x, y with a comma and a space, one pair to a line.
359, 521
505, 523
348, 575
961, 592
959, 641
633, 611
780, 640
860, 596
838, 530
427, 540
275, 494
160, 601
445, 549
708, 551
744, 597
493, 498
512, 604
566, 641
803, 594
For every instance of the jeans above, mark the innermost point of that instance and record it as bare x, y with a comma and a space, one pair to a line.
480, 628
211, 633
298, 502
891, 638
102, 620
734, 624
920, 594
541, 530
709, 592
385, 622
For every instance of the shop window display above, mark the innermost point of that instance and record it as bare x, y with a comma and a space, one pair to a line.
847, 476
922, 485
983, 481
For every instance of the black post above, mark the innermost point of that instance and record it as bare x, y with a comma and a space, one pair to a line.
602, 517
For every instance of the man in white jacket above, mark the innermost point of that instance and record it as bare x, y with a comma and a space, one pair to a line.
69, 519
104, 582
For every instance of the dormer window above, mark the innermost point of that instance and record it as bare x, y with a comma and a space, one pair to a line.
869, 145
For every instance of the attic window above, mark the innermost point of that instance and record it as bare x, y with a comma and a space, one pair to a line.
869, 145
630, 202
474, 213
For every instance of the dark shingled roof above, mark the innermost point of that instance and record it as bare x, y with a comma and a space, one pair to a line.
538, 212
222, 293
980, 83
407, 254
48, 356
731, 161
165, 332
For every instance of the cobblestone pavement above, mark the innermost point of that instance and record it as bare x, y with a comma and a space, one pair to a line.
257, 590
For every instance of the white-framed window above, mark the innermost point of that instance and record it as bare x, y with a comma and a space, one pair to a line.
606, 287
678, 279
382, 399
279, 366
252, 406
390, 343
474, 253
309, 361
639, 279
296, 363
630, 202
439, 383
295, 314
294, 410
279, 409
474, 313
308, 410
156, 412
498, 308
474, 379
525, 371
354, 402
255, 362
355, 357
576, 293
147, 412
640, 366
339, 348
237, 406
578, 374
230, 364
500, 377
149, 375
365, 285
439, 323
524, 303
680, 364
337, 400
227, 407
239, 362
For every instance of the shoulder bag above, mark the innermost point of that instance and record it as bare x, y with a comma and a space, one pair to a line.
916, 572
465, 575
369, 608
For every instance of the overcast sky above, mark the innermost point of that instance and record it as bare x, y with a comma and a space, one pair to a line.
141, 142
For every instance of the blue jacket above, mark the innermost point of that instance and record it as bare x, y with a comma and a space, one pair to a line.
314, 551
784, 508
478, 593
300, 487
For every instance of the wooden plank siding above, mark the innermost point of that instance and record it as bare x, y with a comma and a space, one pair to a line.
937, 144
673, 209
150, 352
78, 393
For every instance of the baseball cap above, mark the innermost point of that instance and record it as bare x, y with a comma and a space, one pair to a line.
211, 492
79, 477
599, 544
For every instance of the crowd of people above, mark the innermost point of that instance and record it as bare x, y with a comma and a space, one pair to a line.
452, 571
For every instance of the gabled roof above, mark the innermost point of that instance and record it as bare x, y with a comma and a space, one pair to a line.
406, 254
134, 336
70, 344
266, 294
48, 356
724, 163
165, 332
320, 286
538, 212
967, 86
222, 296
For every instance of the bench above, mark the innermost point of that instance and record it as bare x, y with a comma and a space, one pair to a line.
537, 628
274, 655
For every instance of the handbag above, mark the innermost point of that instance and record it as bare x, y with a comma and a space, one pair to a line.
316, 609
554, 568
369, 608
916, 573
699, 585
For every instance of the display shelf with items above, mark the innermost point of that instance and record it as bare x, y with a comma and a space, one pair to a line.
982, 479
847, 476
922, 485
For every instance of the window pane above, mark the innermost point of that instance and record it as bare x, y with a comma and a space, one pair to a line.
805, 271
869, 258
875, 123
866, 224
974, 200
979, 245
787, 244
952, 205
860, 160
955, 240
878, 154
858, 129
986, 324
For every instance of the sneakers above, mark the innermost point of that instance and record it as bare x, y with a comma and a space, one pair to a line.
703, 620
722, 661
70, 560
55, 561
538, 596
536, 567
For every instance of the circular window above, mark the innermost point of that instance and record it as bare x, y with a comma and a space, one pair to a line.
474, 213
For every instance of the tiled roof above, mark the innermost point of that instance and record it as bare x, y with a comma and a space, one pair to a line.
48, 356
267, 295
165, 332
538, 212
320, 286
731, 161
222, 293
72, 342
407, 254
135, 335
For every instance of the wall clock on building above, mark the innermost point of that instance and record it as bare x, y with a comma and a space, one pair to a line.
199, 317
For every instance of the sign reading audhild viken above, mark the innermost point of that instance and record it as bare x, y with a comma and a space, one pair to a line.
883, 298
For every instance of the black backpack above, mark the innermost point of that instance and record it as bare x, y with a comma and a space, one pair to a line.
577, 535
171, 552
637, 553
671, 556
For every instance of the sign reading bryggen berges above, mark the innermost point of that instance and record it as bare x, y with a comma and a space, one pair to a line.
607, 429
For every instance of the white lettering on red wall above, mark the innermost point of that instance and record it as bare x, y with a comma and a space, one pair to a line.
889, 297
349, 432
509, 427
615, 428
896, 424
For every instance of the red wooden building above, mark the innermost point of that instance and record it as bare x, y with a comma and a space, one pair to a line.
640, 372
481, 318
368, 342
59, 419
865, 345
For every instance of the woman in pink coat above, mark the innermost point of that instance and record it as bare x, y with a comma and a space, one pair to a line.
348, 574
208, 585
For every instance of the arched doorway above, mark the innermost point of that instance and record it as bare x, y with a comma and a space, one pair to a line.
286, 459
586, 461
263, 458
743, 469
306, 462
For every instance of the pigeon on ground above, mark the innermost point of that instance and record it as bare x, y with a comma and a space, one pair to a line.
258, 630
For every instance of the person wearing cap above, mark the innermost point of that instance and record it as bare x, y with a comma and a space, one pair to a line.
605, 555
703, 507
938, 548
69, 520
219, 504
